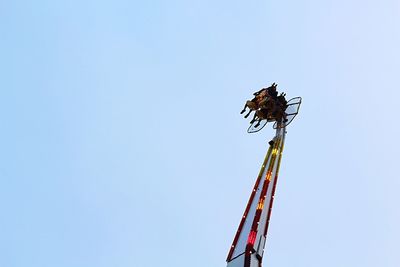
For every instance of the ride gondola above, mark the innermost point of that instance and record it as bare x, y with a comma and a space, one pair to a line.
263, 115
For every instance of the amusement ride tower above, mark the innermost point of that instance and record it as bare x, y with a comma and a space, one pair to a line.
247, 249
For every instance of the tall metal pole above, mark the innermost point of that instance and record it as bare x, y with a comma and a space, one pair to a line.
248, 245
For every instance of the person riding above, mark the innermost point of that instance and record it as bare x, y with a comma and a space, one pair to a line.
272, 91
268, 105
279, 112
281, 100
254, 104
260, 98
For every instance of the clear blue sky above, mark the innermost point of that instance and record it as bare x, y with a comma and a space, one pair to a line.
122, 144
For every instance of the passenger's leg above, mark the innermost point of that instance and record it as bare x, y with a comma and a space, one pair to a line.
244, 109
248, 113
254, 118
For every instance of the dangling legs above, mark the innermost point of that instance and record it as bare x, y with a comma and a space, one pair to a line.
244, 109
254, 118
258, 123
261, 114
247, 115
